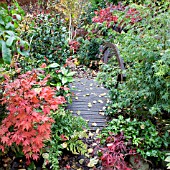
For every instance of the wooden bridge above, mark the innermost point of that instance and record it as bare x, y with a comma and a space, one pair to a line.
89, 102
89, 97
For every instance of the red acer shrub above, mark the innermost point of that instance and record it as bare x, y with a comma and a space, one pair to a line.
114, 153
28, 122
106, 15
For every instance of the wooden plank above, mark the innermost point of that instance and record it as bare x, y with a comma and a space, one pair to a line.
87, 91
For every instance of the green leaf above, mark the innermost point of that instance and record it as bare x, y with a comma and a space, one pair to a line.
1, 21
58, 85
167, 159
11, 33
71, 74
53, 65
24, 53
18, 17
64, 80
9, 25
64, 71
10, 41
6, 53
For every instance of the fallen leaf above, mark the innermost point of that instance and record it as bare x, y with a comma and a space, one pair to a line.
65, 158
78, 112
94, 144
89, 105
37, 90
100, 101
94, 102
101, 113
142, 126
87, 155
81, 161
64, 145
90, 150
97, 131
94, 124
45, 155
94, 73
91, 134
103, 94
93, 162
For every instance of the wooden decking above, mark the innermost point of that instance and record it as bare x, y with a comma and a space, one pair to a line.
89, 102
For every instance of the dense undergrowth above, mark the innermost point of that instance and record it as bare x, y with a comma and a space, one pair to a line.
35, 53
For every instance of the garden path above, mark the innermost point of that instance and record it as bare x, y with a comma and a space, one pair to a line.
89, 100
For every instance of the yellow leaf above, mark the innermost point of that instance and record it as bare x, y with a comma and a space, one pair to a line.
64, 145
90, 150
93, 162
89, 105
94, 124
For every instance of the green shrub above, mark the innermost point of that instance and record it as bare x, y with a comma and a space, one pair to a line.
108, 73
89, 51
10, 41
142, 135
48, 38
67, 133
168, 160
60, 77
145, 50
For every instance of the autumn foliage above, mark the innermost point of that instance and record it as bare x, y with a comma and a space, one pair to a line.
29, 102
107, 15
113, 155
74, 45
